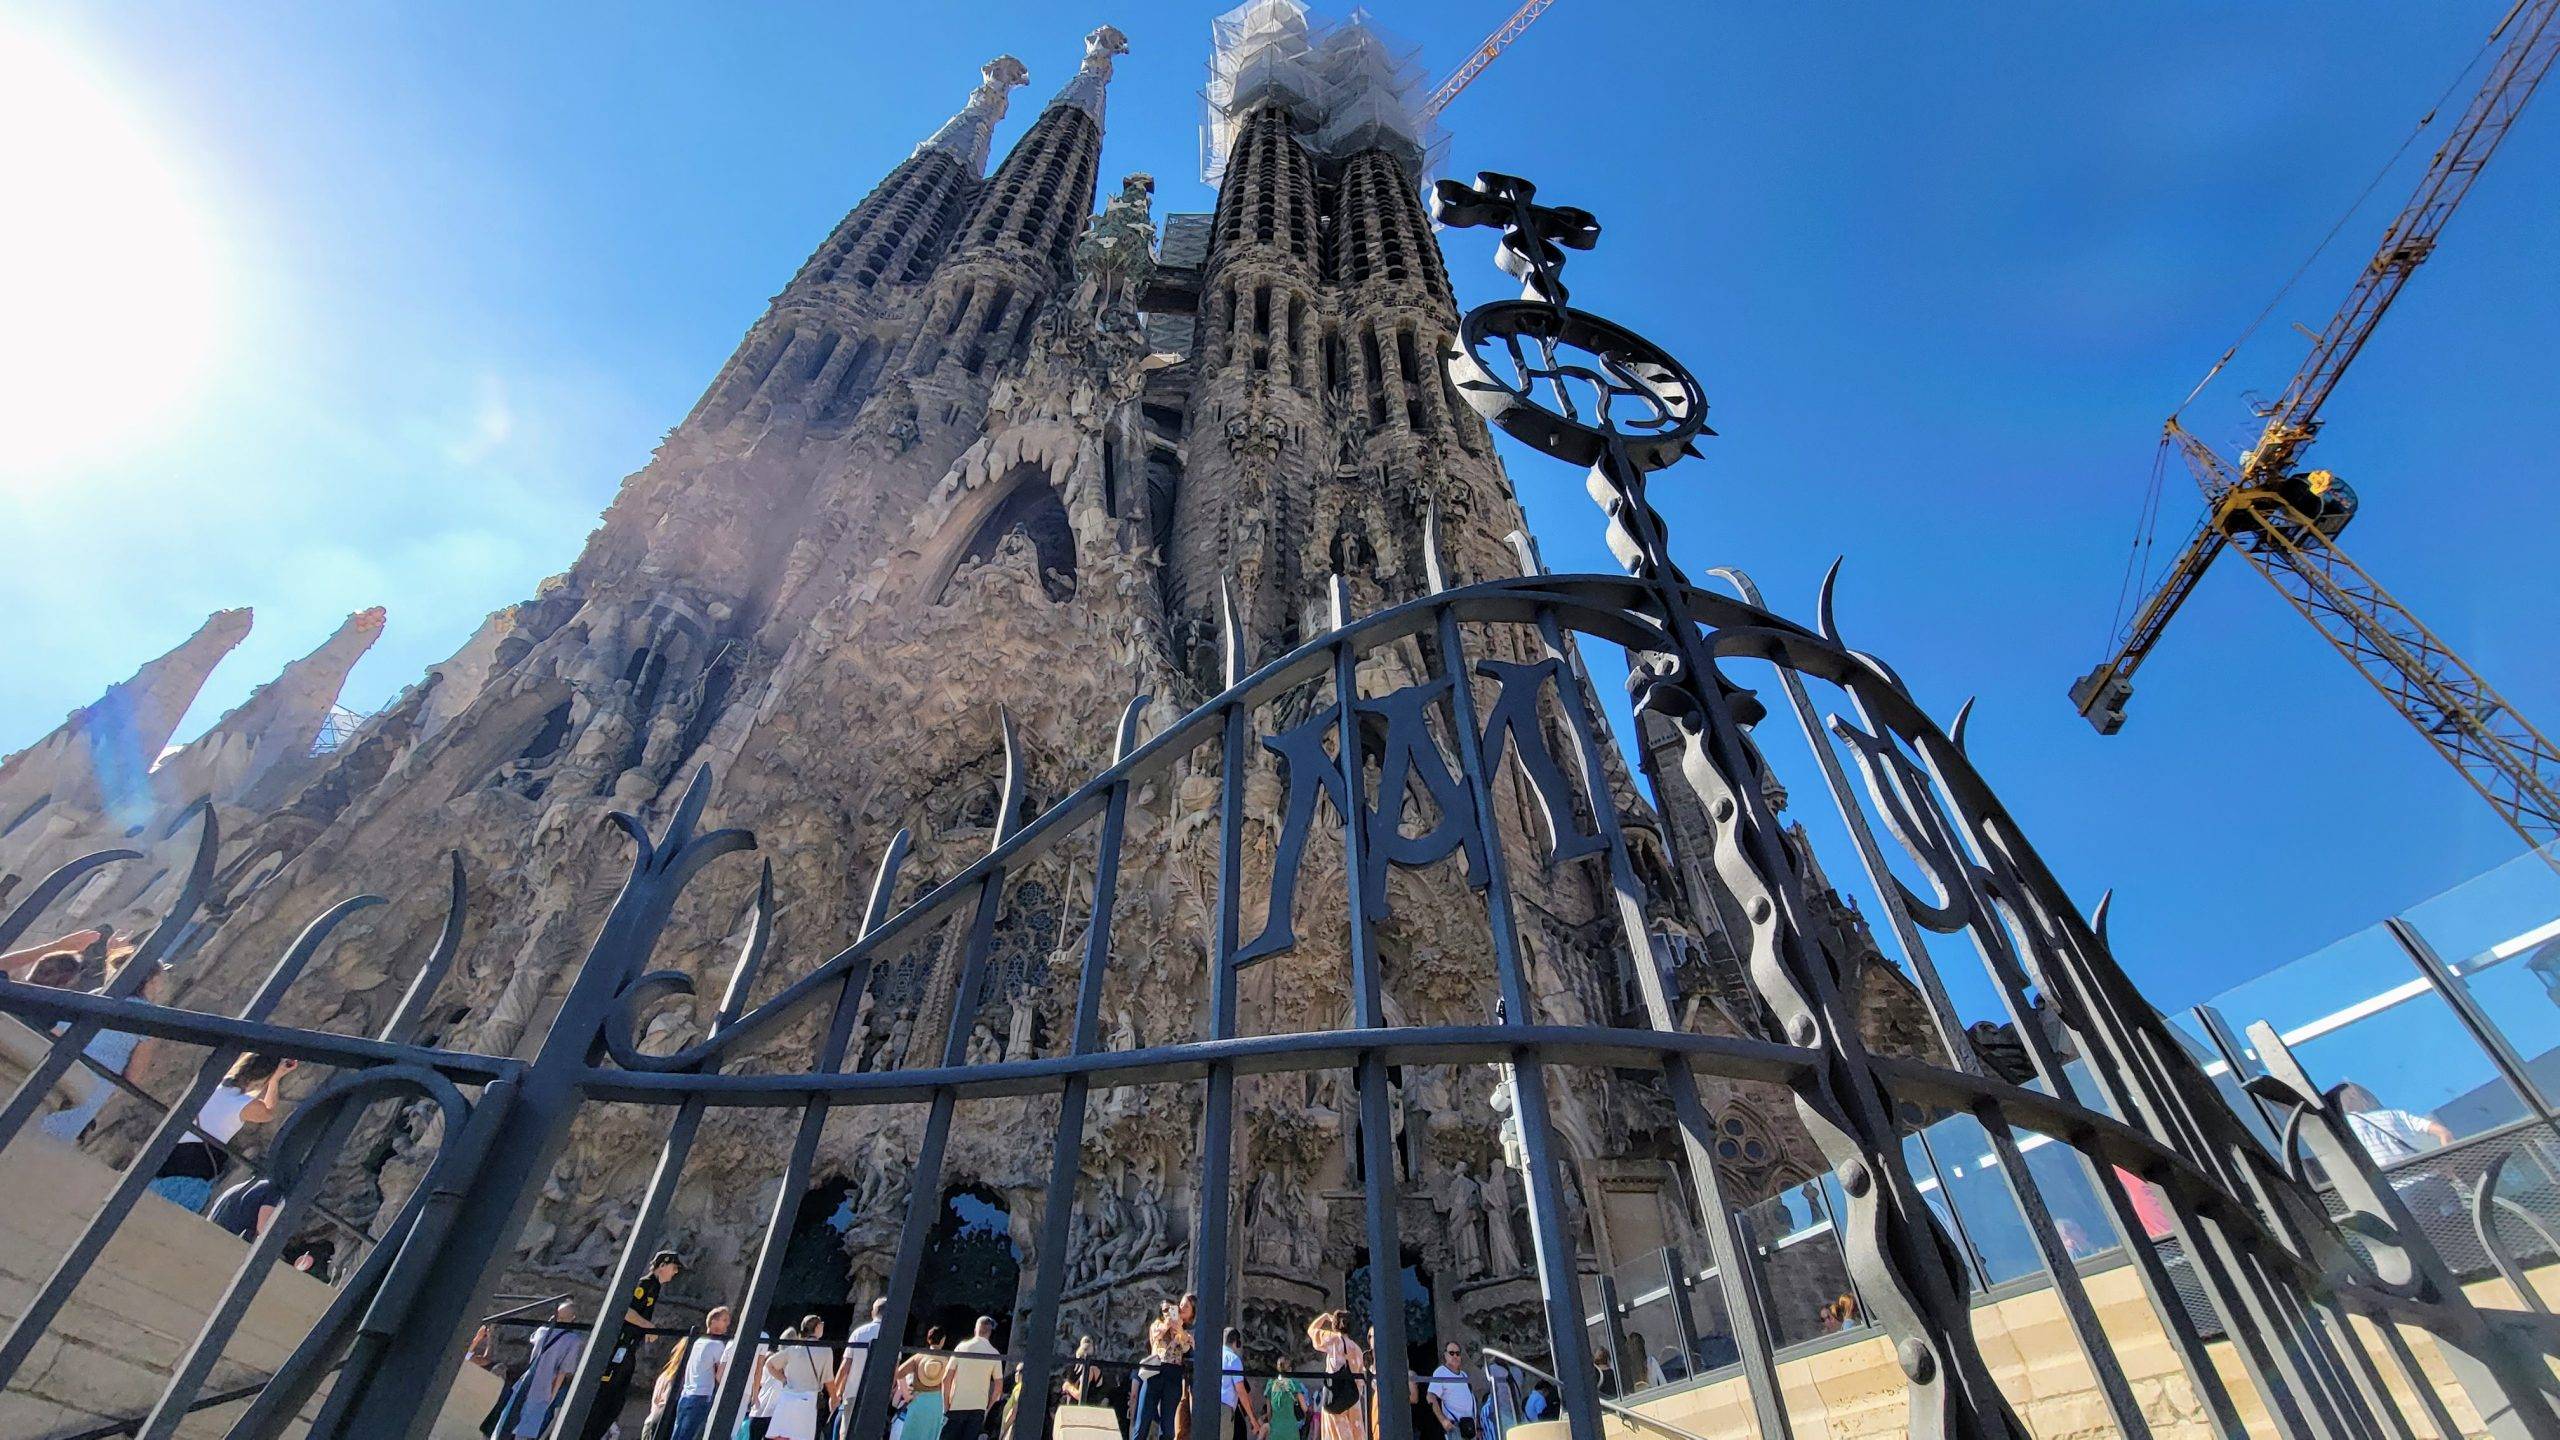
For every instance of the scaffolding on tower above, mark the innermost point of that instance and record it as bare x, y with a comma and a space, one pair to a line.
1347, 85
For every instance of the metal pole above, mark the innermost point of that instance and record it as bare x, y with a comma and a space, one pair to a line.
1036, 1337
2484, 1031
1379, 1192
1209, 1240
1675, 1273
453, 1280
1552, 1239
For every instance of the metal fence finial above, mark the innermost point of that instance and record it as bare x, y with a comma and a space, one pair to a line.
1826, 621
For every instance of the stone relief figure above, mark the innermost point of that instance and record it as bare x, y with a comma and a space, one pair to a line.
1148, 1237
1502, 1249
1266, 1236
1117, 254
1018, 1040
984, 1046
1463, 1201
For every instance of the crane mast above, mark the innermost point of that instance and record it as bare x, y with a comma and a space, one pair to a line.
2285, 521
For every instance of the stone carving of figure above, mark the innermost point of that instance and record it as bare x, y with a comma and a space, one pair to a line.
1117, 254
1150, 1225
1018, 1032
1113, 1235
1464, 1201
1264, 1239
597, 755
984, 1047
1502, 1248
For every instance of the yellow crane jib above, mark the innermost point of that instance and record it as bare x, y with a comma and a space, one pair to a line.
2285, 520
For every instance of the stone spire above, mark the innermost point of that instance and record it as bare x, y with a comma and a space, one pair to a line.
266, 736
969, 133
1093, 77
100, 758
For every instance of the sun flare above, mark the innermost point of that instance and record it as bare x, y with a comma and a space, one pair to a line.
111, 294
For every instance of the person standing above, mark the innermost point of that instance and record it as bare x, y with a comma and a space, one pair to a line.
925, 1374
706, 1361
1235, 1397
1502, 1399
1159, 1381
614, 1385
976, 1382
246, 1096
1453, 1395
798, 1372
1286, 1406
555, 1354
846, 1388
1186, 1316
1344, 1370
112, 1051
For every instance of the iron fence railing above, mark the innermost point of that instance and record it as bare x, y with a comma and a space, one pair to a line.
2485, 1057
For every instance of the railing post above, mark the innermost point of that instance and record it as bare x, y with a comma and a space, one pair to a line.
446, 1284
1613, 1330
2484, 1031
1675, 1274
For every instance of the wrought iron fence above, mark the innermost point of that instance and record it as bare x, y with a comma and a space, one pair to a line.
1400, 726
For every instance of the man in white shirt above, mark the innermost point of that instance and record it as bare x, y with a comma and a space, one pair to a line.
1243, 1421
1453, 1395
857, 1354
706, 1360
975, 1383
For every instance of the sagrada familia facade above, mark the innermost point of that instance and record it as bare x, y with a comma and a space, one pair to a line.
986, 453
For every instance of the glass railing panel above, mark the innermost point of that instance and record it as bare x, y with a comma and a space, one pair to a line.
1994, 1232
2360, 1013
1651, 1330
2193, 1037
1920, 1156
2500, 936
1800, 1261
1716, 1347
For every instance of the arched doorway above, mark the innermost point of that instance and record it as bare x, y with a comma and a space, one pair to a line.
1420, 1329
813, 1280
971, 1267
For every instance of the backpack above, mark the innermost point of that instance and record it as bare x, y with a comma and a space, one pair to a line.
1341, 1391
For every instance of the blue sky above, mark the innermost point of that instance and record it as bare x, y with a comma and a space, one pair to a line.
395, 295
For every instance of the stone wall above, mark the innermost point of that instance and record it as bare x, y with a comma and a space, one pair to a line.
110, 1349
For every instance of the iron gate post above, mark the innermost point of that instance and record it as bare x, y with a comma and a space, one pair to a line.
452, 1281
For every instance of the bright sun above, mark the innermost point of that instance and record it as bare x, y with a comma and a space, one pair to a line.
110, 282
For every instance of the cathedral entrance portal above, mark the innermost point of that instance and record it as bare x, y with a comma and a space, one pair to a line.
1421, 1343
972, 1267
813, 1279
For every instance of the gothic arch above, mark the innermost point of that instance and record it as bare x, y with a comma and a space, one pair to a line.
971, 1265
1025, 503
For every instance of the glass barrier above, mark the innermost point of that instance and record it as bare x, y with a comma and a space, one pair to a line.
2499, 936
2435, 1107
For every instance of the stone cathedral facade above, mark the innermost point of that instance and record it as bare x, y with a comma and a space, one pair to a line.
987, 454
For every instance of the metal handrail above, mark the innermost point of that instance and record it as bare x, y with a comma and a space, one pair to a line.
1631, 1416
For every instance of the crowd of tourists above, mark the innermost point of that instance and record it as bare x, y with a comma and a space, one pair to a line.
805, 1385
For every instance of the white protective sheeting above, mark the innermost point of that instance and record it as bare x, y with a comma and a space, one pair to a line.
1348, 87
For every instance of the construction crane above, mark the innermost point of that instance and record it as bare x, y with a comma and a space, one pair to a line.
1485, 54
2285, 520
